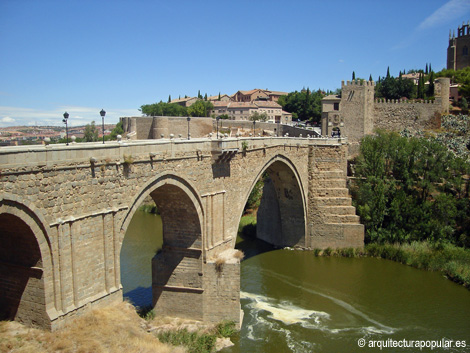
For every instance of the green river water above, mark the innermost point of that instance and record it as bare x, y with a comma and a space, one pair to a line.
296, 302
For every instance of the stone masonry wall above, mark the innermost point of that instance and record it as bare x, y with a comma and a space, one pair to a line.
141, 128
395, 116
78, 201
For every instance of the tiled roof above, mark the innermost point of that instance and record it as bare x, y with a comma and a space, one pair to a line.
182, 99
332, 97
267, 104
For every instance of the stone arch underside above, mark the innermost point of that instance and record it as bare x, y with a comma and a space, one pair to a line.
25, 267
281, 214
177, 283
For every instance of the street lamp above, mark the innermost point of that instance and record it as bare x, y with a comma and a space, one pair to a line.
102, 113
66, 116
217, 119
188, 119
254, 123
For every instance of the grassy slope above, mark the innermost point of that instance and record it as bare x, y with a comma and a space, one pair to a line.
116, 328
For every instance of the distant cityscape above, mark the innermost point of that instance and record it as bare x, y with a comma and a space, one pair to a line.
25, 135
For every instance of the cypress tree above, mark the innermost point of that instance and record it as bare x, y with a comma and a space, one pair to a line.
370, 77
431, 85
388, 72
205, 97
426, 71
219, 96
169, 98
421, 86
353, 76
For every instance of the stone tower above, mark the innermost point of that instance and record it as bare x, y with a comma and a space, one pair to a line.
458, 51
356, 107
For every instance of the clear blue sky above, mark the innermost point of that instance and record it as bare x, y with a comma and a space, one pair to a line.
81, 56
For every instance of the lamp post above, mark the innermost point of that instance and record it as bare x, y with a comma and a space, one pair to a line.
188, 119
254, 123
102, 113
217, 119
66, 116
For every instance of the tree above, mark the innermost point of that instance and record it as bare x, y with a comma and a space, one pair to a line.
402, 192
394, 88
91, 132
219, 97
256, 116
163, 109
353, 76
201, 108
118, 130
420, 93
169, 98
430, 90
303, 105
370, 78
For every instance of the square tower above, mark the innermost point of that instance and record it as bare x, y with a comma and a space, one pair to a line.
458, 56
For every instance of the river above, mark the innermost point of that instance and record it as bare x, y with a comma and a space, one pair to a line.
296, 302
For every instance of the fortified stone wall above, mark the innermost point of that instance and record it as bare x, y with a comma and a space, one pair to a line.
397, 115
360, 115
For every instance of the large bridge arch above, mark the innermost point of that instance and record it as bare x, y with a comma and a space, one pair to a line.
177, 268
283, 210
27, 292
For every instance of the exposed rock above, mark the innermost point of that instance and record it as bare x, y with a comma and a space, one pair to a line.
222, 343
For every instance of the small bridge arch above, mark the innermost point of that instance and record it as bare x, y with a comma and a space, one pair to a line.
281, 218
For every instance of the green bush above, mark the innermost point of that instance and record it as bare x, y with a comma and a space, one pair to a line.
193, 341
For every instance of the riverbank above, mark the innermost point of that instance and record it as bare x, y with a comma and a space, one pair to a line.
451, 260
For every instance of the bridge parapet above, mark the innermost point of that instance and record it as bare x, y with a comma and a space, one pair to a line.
114, 152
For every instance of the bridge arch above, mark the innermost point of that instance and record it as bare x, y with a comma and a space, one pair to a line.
177, 267
26, 265
281, 219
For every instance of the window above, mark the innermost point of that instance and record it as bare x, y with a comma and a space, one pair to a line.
465, 50
335, 106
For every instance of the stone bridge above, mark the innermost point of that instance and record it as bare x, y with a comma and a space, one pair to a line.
64, 212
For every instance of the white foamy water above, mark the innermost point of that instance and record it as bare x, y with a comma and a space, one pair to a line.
287, 313
377, 328
281, 315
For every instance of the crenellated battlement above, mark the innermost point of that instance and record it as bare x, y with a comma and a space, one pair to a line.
405, 102
358, 83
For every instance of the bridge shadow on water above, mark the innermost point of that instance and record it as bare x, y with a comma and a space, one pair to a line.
140, 297
252, 246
